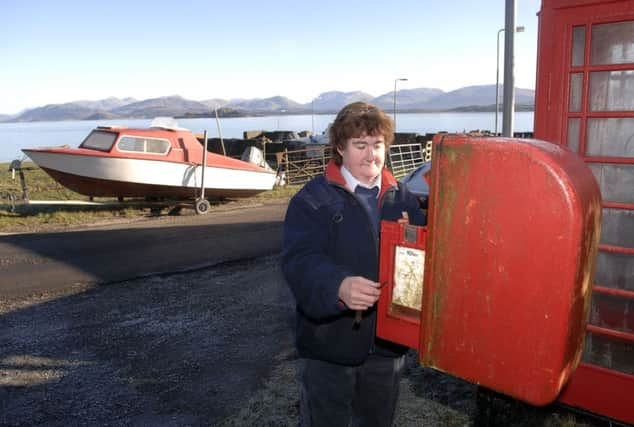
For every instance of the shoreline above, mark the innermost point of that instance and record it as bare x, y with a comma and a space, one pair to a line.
521, 108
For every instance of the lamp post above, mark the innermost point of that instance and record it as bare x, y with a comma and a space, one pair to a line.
519, 29
396, 80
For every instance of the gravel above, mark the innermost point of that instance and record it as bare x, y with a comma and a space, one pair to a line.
210, 347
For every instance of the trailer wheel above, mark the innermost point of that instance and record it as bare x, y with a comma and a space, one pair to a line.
202, 206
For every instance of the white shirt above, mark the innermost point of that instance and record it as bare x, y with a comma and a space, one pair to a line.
352, 182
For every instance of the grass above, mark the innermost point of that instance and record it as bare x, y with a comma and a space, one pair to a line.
279, 192
17, 216
40, 186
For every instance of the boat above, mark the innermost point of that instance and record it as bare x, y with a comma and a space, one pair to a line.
163, 161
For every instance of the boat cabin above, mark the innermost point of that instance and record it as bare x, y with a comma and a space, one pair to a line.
171, 145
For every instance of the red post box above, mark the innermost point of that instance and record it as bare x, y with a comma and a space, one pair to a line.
496, 288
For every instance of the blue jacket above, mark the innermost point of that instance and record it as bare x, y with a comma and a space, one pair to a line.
328, 235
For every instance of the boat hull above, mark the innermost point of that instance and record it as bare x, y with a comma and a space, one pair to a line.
105, 176
96, 187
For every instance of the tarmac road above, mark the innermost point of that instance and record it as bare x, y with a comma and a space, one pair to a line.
48, 262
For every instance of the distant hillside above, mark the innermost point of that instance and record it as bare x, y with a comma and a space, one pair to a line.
274, 104
105, 104
335, 100
472, 98
53, 112
215, 103
165, 106
407, 98
77, 110
102, 115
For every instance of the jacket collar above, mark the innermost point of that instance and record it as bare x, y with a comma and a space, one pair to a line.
333, 175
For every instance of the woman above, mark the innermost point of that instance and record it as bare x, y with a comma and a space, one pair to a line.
330, 261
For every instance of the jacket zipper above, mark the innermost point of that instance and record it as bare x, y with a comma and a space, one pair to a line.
374, 234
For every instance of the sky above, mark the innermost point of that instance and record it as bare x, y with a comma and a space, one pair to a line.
57, 51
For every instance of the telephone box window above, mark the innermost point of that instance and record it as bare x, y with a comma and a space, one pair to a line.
602, 314
615, 181
578, 46
574, 127
613, 43
615, 271
613, 137
609, 353
617, 229
576, 81
612, 91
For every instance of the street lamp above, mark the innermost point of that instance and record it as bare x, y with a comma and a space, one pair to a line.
396, 80
519, 29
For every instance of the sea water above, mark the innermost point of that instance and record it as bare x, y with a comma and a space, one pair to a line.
15, 136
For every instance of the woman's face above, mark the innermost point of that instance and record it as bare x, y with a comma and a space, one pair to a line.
364, 157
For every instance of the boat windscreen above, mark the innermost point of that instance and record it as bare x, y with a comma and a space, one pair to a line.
99, 140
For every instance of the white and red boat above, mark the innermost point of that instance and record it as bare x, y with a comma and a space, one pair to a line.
163, 161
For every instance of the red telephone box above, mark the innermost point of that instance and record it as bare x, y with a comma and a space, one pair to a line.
585, 101
504, 301
496, 289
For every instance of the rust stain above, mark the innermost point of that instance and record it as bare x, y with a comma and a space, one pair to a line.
453, 173
470, 206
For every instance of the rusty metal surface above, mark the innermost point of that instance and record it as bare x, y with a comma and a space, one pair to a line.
513, 234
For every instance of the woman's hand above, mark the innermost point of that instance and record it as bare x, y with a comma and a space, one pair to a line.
359, 293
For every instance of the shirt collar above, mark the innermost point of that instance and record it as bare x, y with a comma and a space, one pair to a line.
352, 182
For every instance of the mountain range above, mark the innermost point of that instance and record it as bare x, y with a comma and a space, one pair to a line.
471, 98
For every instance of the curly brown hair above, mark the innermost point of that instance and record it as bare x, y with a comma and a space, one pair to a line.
358, 119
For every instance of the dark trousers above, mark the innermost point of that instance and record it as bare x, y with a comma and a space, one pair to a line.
335, 395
